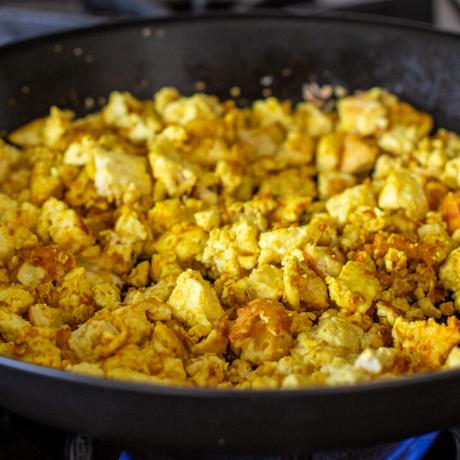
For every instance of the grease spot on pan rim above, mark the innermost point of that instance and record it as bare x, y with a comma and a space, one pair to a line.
146, 32
266, 80
200, 85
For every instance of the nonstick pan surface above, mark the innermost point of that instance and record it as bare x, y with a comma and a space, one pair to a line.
78, 69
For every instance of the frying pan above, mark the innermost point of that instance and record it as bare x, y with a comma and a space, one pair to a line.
76, 69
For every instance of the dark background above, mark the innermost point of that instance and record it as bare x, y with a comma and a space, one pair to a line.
26, 18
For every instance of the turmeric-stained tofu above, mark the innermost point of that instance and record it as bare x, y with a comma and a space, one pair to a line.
118, 173
62, 225
303, 288
427, 342
355, 288
265, 282
449, 273
232, 249
450, 210
194, 301
184, 240
363, 113
261, 331
342, 205
275, 244
359, 155
401, 190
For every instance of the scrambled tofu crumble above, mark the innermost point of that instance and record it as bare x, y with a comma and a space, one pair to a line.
186, 241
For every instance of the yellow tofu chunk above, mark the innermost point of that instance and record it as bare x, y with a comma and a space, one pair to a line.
207, 370
95, 339
194, 301
167, 213
303, 288
136, 120
261, 331
451, 173
341, 206
311, 120
359, 155
355, 288
185, 110
177, 175
323, 260
15, 299
329, 152
401, 190
232, 249
80, 152
332, 183
289, 182
339, 332
427, 342
363, 113
186, 241
376, 361
407, 126
265, 282
275, 244
449, 273
11, 325
62, 225
118, 173
30, 134
297, 150
272, 111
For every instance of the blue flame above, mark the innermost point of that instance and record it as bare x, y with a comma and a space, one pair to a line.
413, 448
410, 449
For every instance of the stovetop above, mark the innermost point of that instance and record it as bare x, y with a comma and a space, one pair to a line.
24, 439
21, 438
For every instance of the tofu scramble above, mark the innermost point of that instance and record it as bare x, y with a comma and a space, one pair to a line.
186, 241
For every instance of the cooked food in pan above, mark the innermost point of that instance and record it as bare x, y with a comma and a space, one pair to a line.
186, 241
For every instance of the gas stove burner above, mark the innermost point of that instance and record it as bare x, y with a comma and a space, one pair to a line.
415, 448
21, 438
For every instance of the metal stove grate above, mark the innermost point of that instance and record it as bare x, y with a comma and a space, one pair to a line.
415, 448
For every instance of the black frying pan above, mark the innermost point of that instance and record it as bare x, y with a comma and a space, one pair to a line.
422, 65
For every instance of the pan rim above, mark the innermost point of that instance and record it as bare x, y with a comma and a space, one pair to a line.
378, 386
315, 15
277, 394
